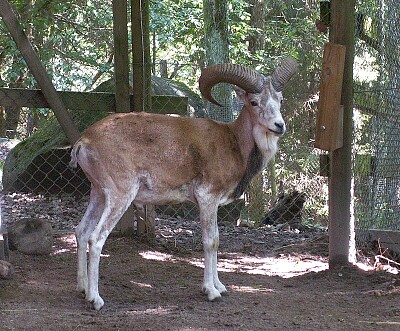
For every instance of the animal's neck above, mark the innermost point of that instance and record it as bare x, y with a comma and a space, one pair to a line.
257, 148
250, 134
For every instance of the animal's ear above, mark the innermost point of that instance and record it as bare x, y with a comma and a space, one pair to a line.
240, 93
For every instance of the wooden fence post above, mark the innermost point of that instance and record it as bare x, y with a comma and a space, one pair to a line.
122, 90
142, 88
341, 229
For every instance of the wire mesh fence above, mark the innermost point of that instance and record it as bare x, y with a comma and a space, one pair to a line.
377, 126
290, 193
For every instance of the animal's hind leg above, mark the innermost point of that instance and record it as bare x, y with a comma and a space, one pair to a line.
82, 232
115, 205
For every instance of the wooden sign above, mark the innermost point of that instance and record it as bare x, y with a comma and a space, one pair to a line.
329, 129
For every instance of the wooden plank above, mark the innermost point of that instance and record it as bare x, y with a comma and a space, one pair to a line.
93, 101
329, 132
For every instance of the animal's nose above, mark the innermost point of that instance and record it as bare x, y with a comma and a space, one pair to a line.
280, 127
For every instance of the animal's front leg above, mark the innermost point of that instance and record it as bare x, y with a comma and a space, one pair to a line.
211, 284
217, 283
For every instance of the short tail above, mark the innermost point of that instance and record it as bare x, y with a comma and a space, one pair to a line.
74, 155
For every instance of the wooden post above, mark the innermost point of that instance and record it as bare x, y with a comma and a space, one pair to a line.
341, 229
329, 129
142, 90
125, 225
121, 59
38, 71
141, 55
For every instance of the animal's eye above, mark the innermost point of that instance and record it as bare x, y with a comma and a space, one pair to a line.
254, 103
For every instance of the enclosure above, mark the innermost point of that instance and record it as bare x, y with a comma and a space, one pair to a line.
277, 230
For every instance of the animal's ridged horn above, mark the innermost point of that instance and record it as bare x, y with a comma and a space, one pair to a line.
236, 74
283, 73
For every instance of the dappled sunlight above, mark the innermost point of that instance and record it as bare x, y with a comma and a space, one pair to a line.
157, 256
141, 285
250, 289
64, 244
286, 267
159, 311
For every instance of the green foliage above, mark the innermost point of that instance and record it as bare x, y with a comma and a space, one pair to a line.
73, 39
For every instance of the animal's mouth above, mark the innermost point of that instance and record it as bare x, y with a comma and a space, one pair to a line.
276, 132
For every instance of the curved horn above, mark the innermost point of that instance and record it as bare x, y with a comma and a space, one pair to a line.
236, 74
283, 73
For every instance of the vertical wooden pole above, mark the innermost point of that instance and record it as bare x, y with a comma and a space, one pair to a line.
340, 224
122, 98
140, 14
121, 59
141, 55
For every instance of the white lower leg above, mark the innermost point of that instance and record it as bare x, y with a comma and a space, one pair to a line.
82, 233
92, 295
82, 269
218, 285
208, 281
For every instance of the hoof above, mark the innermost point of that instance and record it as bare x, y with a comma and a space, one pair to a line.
97, 304
216, 299
213, 296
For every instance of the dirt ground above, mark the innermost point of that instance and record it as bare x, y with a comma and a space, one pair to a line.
276, 281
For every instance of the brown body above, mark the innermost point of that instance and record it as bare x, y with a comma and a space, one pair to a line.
173, 157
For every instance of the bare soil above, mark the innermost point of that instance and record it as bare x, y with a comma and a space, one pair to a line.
276, 281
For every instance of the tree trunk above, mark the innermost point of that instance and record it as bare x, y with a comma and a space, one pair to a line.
217, 51
257, 22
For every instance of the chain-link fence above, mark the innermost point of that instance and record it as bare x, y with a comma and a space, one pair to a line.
377, 125
289, 194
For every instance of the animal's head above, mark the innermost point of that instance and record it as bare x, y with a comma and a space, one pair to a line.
261, 95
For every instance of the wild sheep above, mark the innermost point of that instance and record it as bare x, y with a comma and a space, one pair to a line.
155, 159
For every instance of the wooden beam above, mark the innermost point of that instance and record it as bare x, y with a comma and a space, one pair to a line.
93, 101
329, 129
38, 71
341, 224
